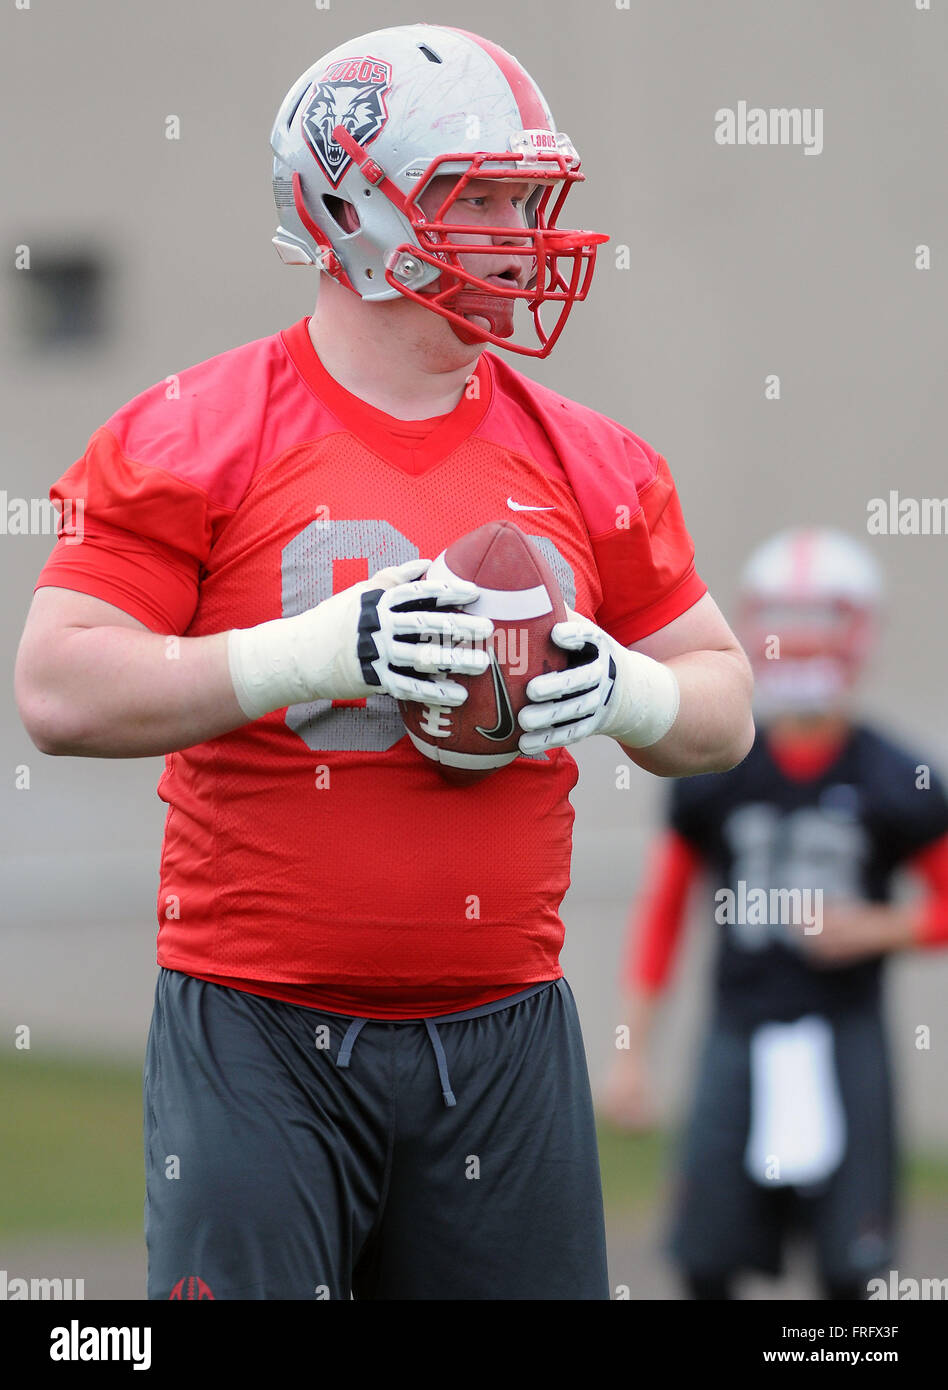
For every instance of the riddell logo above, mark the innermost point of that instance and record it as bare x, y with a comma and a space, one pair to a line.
190, 1287
352, 94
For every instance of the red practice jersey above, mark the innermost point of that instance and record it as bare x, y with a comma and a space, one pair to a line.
313, 854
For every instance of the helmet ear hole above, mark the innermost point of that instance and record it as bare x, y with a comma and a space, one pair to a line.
342, 213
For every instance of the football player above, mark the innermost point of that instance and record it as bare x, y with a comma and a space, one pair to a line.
791, 1126
363, 1052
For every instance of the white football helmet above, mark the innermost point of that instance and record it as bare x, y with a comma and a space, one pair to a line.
808, 607
372, 122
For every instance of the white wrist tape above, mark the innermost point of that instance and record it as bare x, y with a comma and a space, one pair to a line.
645, 700
292, 660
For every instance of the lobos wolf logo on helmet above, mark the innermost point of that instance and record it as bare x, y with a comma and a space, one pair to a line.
352, 94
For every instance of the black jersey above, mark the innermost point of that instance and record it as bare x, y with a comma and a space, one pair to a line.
777, 849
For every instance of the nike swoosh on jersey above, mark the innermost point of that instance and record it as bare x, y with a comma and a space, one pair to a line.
506, 724
526, 507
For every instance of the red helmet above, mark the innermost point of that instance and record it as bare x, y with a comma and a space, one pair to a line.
808, 607
372, 123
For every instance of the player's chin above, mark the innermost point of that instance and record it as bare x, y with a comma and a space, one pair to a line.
438, 334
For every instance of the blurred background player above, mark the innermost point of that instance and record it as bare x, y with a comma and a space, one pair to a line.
791, 1126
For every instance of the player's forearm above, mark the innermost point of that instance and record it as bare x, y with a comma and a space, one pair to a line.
107, 691
638, 1017
111, 692
850, 931
714, 728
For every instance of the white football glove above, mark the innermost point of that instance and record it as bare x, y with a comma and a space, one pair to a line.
352, 644
614, 691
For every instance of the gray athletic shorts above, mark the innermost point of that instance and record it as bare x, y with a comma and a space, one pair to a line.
292, 1153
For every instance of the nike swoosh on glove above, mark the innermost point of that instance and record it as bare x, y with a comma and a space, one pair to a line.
606, 690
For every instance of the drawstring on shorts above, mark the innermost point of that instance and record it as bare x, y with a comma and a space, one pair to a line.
355, 1028
357, 1024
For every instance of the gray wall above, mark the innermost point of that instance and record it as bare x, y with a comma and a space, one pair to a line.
744, 261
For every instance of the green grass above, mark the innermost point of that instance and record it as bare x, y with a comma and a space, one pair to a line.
926, 1177
71, 1153
634, 1167
70, 1147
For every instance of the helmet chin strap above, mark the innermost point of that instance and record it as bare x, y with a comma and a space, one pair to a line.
497, 311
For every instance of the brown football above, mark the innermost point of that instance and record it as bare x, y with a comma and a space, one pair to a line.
520, 595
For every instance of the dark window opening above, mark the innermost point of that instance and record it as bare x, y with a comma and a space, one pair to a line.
62, 299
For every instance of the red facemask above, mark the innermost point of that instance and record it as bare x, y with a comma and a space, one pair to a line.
560, 261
